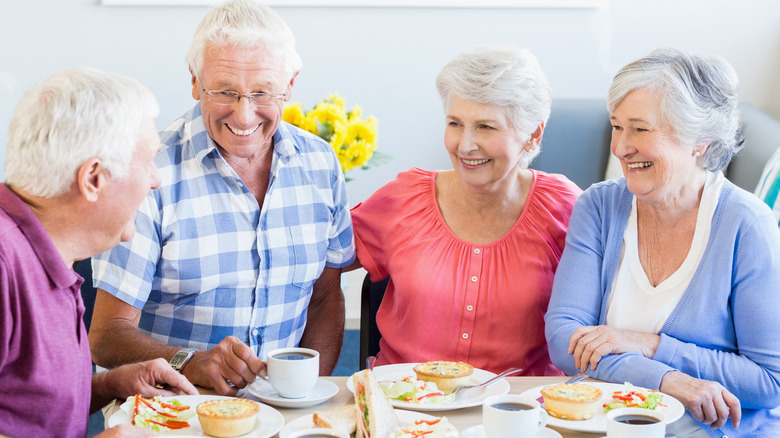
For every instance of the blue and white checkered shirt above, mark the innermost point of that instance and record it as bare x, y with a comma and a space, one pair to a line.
207, 262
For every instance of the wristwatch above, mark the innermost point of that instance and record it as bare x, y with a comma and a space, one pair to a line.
181, 358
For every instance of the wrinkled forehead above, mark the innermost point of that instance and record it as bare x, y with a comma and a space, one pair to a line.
229, 63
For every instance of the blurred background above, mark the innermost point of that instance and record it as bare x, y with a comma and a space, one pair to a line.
386, 58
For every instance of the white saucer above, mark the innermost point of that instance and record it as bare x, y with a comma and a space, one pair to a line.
323, 390
479, 432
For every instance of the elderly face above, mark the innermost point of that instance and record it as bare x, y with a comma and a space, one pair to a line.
485, 149
241, 129
657, 166
125, 195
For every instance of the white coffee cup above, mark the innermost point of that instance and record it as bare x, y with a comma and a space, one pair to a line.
511, 415
318, 432
293, 372
635, 423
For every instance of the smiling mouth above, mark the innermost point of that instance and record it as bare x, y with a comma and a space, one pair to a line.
641, 165
474, 162
242, 132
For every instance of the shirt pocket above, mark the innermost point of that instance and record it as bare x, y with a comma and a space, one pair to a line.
308, 246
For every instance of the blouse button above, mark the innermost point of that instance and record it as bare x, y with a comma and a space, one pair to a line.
474, 279
469, 307
476, 250
465, 335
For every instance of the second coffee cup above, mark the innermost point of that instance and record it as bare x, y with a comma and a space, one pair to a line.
293, 372
512, 416
635, 423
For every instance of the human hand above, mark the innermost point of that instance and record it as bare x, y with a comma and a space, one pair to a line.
230, 360
589, 344
707, 401
125, 430
146, 378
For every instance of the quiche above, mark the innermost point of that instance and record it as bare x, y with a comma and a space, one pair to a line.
571, 401
227, 417
446, 375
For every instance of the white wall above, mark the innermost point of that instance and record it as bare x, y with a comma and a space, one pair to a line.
386, 59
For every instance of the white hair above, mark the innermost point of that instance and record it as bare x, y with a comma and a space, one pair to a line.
698, 99
244, 24
73, 116
504, 76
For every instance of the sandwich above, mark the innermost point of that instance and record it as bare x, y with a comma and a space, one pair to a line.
374, 416
341, 419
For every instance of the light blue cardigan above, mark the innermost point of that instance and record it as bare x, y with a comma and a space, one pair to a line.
726, 327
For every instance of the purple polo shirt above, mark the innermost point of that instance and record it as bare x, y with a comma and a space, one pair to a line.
45, 364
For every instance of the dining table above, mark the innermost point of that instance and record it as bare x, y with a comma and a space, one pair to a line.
462, 419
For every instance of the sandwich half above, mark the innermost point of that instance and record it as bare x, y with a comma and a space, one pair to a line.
374, 415
341, 419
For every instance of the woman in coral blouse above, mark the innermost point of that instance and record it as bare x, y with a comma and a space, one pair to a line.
471, 252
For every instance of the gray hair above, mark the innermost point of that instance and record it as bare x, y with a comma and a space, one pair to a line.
245, 24
73, 116
698, 99
504, 76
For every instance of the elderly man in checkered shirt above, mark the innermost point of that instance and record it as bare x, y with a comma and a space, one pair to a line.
240, 250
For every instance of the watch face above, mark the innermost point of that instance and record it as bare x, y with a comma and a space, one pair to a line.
180, 358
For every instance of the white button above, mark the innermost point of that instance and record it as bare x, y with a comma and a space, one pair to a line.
465, 335
476, 250
469, 307
254, 332
474, 279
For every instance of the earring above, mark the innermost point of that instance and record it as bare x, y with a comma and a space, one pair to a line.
696, 153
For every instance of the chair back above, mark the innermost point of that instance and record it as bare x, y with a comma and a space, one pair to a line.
88, 292
370, 299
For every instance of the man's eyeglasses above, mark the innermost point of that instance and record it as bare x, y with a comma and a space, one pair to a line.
225, 97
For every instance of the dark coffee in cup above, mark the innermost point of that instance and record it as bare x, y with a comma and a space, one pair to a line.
293, 356
636, 419
512, 406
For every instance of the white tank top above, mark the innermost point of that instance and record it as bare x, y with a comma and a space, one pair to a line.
634, 304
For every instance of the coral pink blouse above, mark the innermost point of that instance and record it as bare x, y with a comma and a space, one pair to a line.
449, 299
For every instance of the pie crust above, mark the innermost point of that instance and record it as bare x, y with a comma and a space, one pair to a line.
446, 375
571, 401
227, 417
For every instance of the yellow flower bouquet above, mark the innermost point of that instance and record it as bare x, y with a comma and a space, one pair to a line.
352, 137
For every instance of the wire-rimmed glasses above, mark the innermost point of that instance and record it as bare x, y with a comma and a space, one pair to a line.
227, 97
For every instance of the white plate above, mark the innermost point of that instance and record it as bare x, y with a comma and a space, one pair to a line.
474, 397
672, 410
404, 417
324, 390
269, 420
479, 432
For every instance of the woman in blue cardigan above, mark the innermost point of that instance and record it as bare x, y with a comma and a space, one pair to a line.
670, 277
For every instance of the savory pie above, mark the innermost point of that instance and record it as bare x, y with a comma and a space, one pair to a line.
227, 417
446, 375
571, 401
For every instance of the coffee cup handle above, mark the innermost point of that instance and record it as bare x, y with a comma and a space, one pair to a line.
542, 419
266, 378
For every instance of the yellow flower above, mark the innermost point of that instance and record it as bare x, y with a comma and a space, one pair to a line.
354, 113
331, 120
294, 115
352, 138
336, 100
363, 129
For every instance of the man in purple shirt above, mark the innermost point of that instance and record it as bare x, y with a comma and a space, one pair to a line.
78, 163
